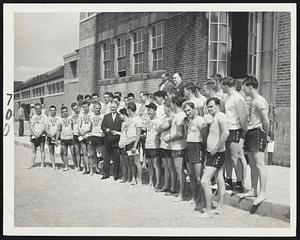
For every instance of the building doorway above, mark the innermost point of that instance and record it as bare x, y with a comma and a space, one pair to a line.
239, 44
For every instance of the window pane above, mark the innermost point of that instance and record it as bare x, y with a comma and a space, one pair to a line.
254, 24
222, 68
253, 65
53, 88
253, 45
213, 51
212, 68
154, 65
223, 33
154, 43
223, 18
160, 64
222, 51
214, 17
62, 86
213, 32
159, 42
155, 54
159, 53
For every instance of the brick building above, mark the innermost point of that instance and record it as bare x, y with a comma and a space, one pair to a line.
127, 52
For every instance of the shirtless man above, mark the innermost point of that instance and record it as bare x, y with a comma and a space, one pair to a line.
51, 130
217, 136
37, 128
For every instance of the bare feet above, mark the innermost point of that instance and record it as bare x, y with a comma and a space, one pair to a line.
247, 194
259, 200
218, 210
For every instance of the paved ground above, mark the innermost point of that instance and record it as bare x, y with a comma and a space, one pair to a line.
53, 198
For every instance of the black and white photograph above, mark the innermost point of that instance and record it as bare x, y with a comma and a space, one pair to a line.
149, 119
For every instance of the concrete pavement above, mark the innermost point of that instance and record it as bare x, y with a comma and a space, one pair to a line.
53, 198
277, 204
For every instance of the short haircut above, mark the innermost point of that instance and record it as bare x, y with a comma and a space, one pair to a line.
130, 95
85, 103
229, 81
251, 81
37, 104
191, 87
87, 96
218, 77
95, 94
123, 111
117, 97
132, 106
177, 100
64, 107
238, 85
216, 100
118, 93
172, 90
79, 97
166, 73
52, 106
212, 84
161, 94
180, 75
190, 104
74, 104
145, 93
97, 103
106, 93
152, 106
110, 94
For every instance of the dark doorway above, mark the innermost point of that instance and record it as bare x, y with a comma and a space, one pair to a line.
239, 44
27, 111
42, 100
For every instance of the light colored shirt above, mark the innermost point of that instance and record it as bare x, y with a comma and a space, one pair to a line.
215, 132
193, 129
66, 128
152, 139
132, 125
178, 121
96, 121
231, 110
85, 123
21, 114
165, 134
160, 112
123, 136
39, 123
258, 104
105, 108
75, 119
53, 124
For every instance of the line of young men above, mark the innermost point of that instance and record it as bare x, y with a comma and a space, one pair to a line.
182, 140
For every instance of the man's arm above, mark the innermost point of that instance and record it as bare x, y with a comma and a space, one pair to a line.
223, 137
32, 128
265, 120
179, 134
138, 136
104, 124
204, 133
241, 111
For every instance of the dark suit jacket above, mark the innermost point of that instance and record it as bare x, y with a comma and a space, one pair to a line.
110, 139
167, 86
180, 88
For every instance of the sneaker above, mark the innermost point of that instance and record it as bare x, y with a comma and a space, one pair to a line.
218, 210
228, 184
239, 188
205, 215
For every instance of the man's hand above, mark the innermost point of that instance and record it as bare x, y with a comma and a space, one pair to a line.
133, 150
167, 139
107, 130
214, 151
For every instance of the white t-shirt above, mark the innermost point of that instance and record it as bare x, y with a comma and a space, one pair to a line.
160, 112
39, 123
66, 128
96, 121
178, 121
231, 110
75, 119
105, 108
152, 139
132, 125
53, 124
84, 123
165, 134
123, 136
193, 132
258, 104
215, 132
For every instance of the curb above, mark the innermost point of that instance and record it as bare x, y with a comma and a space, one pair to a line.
266, 208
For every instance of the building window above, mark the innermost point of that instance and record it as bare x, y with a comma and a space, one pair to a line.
17, 96
57, 87
121, 56
138, 51
252, 42
106, 59
218, 41
26, 94
158, 46
73, 66
38, 92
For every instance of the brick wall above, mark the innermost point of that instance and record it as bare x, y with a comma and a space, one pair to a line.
283, 83
185, 49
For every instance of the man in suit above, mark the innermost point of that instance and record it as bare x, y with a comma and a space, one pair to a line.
110, 125
177, 79
165, 84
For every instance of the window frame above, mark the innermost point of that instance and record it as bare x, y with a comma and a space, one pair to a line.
252, 68
138, 65
120, 47
218, 42
106, 59
156, 49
